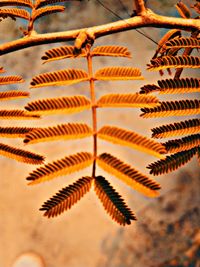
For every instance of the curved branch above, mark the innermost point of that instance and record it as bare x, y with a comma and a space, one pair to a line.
149, 19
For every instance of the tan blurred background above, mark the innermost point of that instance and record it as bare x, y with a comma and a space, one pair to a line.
85, 235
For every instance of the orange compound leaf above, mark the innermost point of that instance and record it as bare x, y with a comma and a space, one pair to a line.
173, 108
131, 139
66, 105
15, 12
183, 42
61, 167
11, 95
14, 132
128, 100
47, 11
4, 80
20, 155
172, 162
128, 175
113, 202
41, 3
58, 78
66, 197
17, 114
64, 131
111, 51
26, 3
118, 73
177, 128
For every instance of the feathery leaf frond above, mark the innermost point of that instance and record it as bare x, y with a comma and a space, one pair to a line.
17, 115
172, 162
185, 143
66, 197
4, 80
61, 52
173, 108
113, 202
20, 155
60, 167
174, 62
68, 104
128, 175
127, 100
63, 131
183, 42
61, 77
111, 51
176, 86
41, 3
15, 12
14, 131
118, 73
10, 95
27, 3
134, 140
176, 129
44, 11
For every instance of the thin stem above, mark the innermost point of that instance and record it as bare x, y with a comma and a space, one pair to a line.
94, 111
140, 7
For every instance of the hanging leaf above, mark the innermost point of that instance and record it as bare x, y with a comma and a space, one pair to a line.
185, 143
61, 52
27, 3
10, 95
60, 167
66, 197
118, 73
58, 78
47, 11
177, 129
66, 105
172, 162
4, 80
15, 12
174, 62
63, 131
173, 108
11, 132
183, 10
131, 139
179, 86
111, 51
113, 202
127, 100
128, 175
17, 114
20, 155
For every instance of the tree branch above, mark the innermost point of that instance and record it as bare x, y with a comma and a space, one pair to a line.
140, 7
149, 19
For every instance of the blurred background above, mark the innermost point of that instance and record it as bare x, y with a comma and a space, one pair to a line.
167, 230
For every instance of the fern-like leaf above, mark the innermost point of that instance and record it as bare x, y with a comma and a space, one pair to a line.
61, 53
128, 175
66, 197
183, 10
183, 42
113, 202
15, 12
68, 104
17, 114
41, 3
149, 88
20, 155
11, 132
185, 143
127, 100
173, 108
61, 77
111, 51
174, 62
131, 139
44, 11
26, 3
118, 73
172, 162
176, 86
176, 129
60, 167
63, 131
4, 80
10, 95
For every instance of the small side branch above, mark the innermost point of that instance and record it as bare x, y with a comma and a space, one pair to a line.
140, 7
